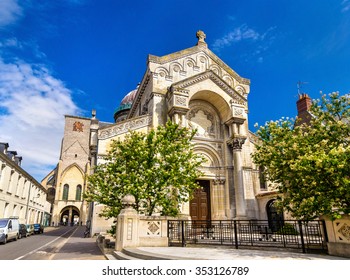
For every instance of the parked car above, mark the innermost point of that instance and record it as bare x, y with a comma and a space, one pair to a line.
8, 229
22, 231
30, 229
38, 228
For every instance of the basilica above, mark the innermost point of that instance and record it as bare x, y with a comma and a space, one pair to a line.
196, 89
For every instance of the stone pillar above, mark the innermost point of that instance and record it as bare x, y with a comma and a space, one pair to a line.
70, 216
219, 199
338, 233
127, 225
236, 143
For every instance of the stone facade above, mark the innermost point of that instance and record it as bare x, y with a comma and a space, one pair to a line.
20, 194
67, 182
195, 89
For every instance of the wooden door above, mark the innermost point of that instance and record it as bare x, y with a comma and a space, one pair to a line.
200, 204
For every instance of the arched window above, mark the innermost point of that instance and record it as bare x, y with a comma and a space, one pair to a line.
78, 193
65, 192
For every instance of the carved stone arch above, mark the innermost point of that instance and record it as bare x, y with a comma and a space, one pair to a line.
228, 79
213, 166
210, 151
241, 90
204, 117
202, 62
175, 68
189, 63
216, 69
161, 72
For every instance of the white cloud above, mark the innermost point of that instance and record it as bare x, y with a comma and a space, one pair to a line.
346, 6
10, 12
238, 34
32, 107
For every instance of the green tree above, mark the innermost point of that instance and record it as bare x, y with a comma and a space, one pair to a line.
310, 163
159, 169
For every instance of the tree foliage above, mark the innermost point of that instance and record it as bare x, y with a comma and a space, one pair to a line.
159, 168
310, 163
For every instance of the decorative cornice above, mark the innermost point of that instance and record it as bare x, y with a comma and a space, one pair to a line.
124, 127
193, 50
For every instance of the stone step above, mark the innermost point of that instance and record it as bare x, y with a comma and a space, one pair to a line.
121, 256
143, 255
136, 254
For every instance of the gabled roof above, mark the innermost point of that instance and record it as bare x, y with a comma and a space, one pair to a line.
200, 47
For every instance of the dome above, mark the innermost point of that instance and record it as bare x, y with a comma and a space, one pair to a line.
121, 112
129, 98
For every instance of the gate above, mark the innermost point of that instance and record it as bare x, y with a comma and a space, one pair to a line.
305, 236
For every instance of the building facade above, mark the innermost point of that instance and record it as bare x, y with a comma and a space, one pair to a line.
20, 194
67, 182
195, 89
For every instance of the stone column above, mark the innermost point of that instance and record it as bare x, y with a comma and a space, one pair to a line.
236, 143
219, 199
127, 225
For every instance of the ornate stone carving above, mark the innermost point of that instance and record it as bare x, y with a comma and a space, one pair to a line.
345, 231
180, 101
236, 143
176, 68
78, 126
201, 36
124, 127
238, 112
154, 228
219, 181
209, 74
203, 121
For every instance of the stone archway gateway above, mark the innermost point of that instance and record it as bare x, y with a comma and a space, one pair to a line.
70, 215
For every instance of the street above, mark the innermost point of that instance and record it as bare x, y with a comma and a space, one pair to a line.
62, 243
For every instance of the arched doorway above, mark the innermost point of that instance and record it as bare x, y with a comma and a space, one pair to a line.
70, 215
275, 217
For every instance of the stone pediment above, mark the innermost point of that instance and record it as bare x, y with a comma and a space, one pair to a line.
237, 97
191, 57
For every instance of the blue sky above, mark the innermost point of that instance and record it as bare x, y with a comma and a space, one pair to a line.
72, 56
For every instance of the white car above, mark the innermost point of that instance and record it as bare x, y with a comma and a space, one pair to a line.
9, 228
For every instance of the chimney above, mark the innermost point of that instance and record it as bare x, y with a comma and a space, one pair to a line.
11, 155
18, 160
304, 103
3, 148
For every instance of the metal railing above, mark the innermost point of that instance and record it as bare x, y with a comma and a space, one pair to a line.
293, 234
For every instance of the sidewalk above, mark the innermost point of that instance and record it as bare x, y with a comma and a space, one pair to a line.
77, 247
224, 253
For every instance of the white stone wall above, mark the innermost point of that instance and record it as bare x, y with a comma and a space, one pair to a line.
20, 194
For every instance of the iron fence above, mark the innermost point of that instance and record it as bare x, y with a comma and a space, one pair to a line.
294, 234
